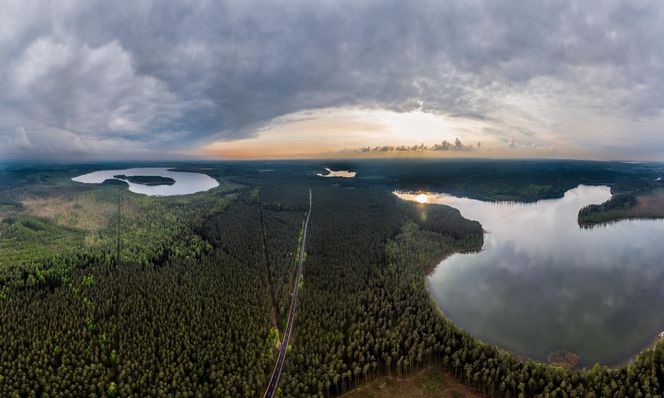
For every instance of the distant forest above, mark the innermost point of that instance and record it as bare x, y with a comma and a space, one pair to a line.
187, 296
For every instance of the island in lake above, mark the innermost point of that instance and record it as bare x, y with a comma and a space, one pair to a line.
153, 181
146, 180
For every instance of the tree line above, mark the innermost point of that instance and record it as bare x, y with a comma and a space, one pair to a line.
195, 319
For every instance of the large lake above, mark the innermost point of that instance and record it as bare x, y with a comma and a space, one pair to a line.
185, 182
542, 284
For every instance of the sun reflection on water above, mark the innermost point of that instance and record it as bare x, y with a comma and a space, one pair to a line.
422, 198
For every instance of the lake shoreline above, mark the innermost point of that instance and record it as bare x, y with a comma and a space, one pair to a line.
427, 287
140, 180
597, 288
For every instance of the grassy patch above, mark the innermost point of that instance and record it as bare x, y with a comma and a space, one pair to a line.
45, 215
430, 382
24, 237
86, 211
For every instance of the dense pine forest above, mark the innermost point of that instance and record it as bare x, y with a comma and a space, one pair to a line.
188, 296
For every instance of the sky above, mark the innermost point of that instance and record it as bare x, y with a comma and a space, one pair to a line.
159, 79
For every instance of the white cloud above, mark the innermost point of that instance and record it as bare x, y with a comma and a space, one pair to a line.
70, 85
169, 74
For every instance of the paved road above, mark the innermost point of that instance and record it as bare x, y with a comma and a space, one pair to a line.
276, 373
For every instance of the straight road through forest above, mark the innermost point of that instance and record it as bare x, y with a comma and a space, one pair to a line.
276, 373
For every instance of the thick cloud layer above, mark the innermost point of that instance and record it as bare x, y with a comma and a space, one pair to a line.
129, 78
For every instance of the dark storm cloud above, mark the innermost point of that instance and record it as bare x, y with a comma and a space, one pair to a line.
101, 74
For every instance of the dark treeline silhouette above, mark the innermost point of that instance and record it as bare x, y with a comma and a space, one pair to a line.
609, 210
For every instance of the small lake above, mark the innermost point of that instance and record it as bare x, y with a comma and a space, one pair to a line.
542, 284
185, 182
338, 173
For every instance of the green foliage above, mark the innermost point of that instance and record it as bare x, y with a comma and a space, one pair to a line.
283, 226
40, 252
178, 326
273, 337
88, 280
28, 238
365, 311
112, 390
115, 182
187, 310
613, 209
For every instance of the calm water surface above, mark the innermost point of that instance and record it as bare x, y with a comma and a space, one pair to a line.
185, 182
542, 284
